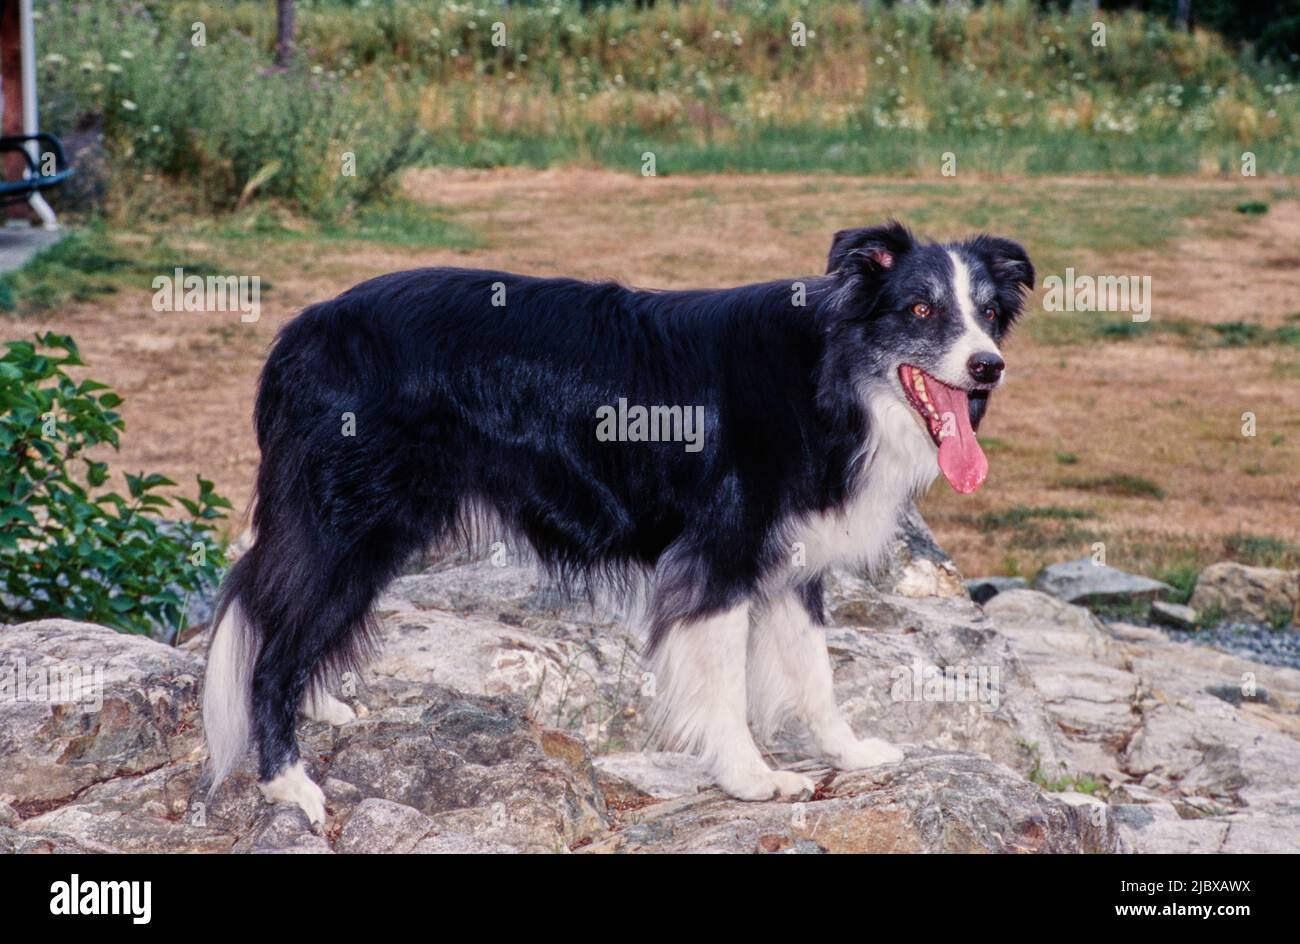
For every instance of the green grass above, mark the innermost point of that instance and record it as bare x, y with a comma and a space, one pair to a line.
395, 221
1261, 550
1193, 334
1182, 577
1080, 783
73, 269
1120, 485
1038, 528
405, 223
1020, 514
88, 263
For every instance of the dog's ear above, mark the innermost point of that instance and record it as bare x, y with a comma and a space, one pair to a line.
1006, 260
869, 249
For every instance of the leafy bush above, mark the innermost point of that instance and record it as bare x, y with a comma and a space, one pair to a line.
1011, 86
218, 115
68, 546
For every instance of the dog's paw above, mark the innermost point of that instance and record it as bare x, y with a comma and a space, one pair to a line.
767, 785
292, 785
869, 752
325, 707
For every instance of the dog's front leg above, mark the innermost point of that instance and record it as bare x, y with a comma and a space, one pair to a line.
700, 702
790, 673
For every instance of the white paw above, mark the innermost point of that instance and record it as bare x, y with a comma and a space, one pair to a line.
292, 785
869, 752
767, 784
323, 706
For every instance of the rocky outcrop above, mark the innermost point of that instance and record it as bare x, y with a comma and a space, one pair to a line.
1170, 732
82, 704
497, 721
1088, 583
932, 801
1236, 592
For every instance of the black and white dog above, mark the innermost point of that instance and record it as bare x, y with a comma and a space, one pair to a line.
419, 408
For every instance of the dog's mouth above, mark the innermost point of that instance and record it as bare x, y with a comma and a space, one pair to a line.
946, 413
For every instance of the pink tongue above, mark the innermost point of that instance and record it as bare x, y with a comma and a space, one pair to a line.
961, 460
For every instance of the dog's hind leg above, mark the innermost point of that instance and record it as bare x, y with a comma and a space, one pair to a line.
790, 673
317, 621
699, 676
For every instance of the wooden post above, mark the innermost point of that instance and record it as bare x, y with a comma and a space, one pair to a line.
11, 89
284, 33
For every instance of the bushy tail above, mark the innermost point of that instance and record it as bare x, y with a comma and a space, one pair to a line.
228, 689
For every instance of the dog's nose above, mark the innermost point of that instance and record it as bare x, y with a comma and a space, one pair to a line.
986, 367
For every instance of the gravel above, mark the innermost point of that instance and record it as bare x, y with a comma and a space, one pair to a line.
1248, 640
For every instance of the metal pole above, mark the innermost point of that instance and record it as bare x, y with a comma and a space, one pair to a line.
31, 123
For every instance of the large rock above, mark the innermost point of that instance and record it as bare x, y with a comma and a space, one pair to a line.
915, 565
498, 720
473, 765
155, 812
586, 677
932, 801
1206, 739
1091, 584
1175, 615
1236, 592
81, 704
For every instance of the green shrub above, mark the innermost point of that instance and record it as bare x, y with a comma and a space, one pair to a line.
68, 546
219, 116
1010, 87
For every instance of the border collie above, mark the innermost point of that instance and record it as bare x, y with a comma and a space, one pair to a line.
420, 407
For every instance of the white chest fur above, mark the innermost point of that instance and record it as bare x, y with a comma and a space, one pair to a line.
901, 463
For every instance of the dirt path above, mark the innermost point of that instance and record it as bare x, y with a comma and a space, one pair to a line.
1153, 407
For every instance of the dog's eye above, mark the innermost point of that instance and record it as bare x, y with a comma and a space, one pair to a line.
990, 313
921, 310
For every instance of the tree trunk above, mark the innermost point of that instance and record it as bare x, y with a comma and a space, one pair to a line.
284, 29
1183, 18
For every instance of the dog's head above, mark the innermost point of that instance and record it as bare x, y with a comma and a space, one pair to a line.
929, 319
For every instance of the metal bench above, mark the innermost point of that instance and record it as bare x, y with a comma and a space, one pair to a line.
14, 191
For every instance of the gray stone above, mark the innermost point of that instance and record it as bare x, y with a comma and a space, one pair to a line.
932, 801
125, 705
378, 825
151, 813
915, 565
460, 844
283, 829
477, 761
659, 774
498, 720
1090, 584
1237, 592
1174, 614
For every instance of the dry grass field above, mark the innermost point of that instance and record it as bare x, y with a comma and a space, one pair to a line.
1105, 431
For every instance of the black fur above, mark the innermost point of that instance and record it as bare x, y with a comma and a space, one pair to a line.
459, 402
